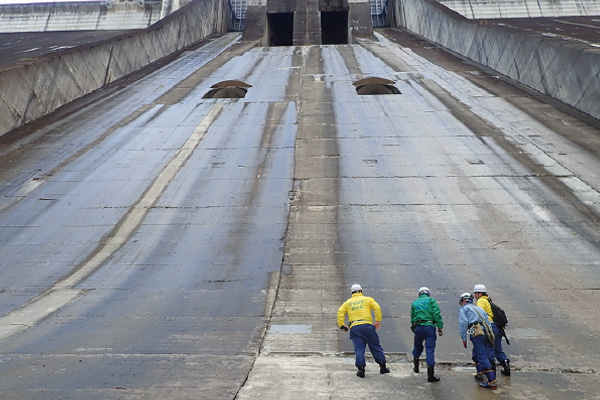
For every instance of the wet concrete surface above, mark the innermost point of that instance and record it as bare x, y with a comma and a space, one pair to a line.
211, 241
27, 46
583, 29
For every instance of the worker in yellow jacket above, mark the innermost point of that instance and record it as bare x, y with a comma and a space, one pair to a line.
362, 330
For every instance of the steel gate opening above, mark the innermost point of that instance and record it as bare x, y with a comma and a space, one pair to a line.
334, 27
281, 29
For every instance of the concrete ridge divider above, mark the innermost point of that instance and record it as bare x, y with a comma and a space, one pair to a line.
35, 88
565, 70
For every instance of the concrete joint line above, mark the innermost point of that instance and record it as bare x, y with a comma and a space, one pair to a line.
106, 73
63, 292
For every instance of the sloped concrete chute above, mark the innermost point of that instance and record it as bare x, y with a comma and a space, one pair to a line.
230, 89
375, 85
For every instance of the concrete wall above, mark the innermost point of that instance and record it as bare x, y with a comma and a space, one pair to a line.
32, 90
307, 18
255, 28
565, 70
360, 18
81, 16
482, 9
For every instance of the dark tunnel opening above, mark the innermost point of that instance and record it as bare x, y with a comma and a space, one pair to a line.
281, 29
334, 27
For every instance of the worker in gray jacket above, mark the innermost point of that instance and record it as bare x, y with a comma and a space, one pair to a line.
472, 322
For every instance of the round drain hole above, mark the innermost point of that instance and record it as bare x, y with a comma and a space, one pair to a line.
230, 89
374, 86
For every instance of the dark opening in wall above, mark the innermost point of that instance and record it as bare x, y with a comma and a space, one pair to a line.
334, 27
281, 29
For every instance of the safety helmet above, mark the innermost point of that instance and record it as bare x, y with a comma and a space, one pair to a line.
424, 290
479, 288
356, 288
466, 296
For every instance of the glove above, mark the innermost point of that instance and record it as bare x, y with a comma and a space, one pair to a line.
465, 344
412, 328
344, 328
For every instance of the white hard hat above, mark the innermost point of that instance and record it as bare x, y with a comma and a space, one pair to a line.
355, 288
424, 290
479, 288
465, 296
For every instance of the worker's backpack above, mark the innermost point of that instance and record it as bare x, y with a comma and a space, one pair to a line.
499, 315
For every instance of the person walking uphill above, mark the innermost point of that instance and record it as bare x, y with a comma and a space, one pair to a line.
362, 330
483, 301
425, 316
472, 322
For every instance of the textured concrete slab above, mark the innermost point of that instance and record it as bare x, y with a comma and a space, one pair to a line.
538, 54
80, 16
488, 9
31, 90
331, 376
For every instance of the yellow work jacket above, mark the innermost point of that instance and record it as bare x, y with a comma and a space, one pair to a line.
484, 303
358, 308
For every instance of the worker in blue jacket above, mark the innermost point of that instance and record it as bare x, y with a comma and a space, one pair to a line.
425, 316
470, 318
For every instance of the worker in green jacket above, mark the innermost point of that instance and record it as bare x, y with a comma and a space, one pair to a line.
425, 316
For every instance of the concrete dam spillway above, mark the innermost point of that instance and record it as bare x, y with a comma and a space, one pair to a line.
185, 204
561, 66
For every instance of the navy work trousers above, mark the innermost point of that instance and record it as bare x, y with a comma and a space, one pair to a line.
361, 336
481, 351
425, 333
497, 352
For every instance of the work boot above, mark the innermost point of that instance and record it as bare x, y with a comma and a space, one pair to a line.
505, 367
361, 372
489, 385
416, 364
491, 380
479, 376
430, 376
383, 369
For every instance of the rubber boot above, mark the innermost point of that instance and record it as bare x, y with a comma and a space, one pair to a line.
430, 376
383, 369
491, 383
505, 367
361, 372
416, 364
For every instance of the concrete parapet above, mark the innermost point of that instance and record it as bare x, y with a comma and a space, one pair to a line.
307, 23
565, 70
488, 9
255, 24
94, 15
360, 18
38, 87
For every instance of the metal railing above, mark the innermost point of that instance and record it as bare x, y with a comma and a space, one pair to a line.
378, 12
237, 9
